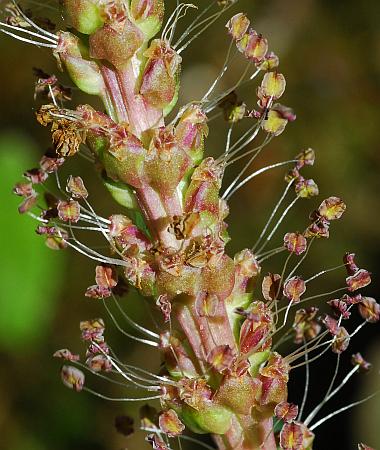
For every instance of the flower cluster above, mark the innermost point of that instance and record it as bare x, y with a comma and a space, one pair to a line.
222, 322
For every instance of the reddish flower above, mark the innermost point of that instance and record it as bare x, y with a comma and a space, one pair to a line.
286, 411
72, 377
360, 279
358, 360
294, 288
170, 424
295, 243
369, 309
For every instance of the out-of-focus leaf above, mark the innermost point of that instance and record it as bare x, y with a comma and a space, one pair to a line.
30, 273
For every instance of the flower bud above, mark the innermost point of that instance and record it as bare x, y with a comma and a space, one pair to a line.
160, 79
124, 160
208, 418
84, 73
116, 43
148, 16
190, 132
166, 163
85, 15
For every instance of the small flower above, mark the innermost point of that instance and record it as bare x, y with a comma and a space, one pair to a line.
69, 211
349, 261
170, 424
36, 176
332, 208
272, 86
341, 341
305, 325
105, 276
305, 158
358, 360
306, 188
271, 286
237, 26
360, 279
286, 411
295, 243
294, 288
156, 442
369, 309
97, 292
295, 436
221, 358
72, 377
76, 187
66, 354
92, 329
340, 308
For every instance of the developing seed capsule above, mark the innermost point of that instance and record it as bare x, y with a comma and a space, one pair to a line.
70, 53
160, 79
148, 16
84, 15
116, 43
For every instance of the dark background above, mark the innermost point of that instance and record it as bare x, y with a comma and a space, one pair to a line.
330, 55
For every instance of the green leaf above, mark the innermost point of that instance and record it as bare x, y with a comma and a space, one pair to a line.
30, 275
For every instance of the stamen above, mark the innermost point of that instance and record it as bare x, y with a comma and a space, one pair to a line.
130, 336
345, 380
307, 383
306, 299
190, 28
280, 220
221, 74
282, 198
133, 323
228, 195
345, 408
29, 41
323, 272
179, 12
301, 260
112, 399
26, 31
31, 23
123, 374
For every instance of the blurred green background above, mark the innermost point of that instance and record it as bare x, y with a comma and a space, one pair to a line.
330, 55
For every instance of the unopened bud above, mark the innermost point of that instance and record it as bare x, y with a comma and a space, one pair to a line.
84, 73
159, 81
116, 43
85, 15
148, 16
